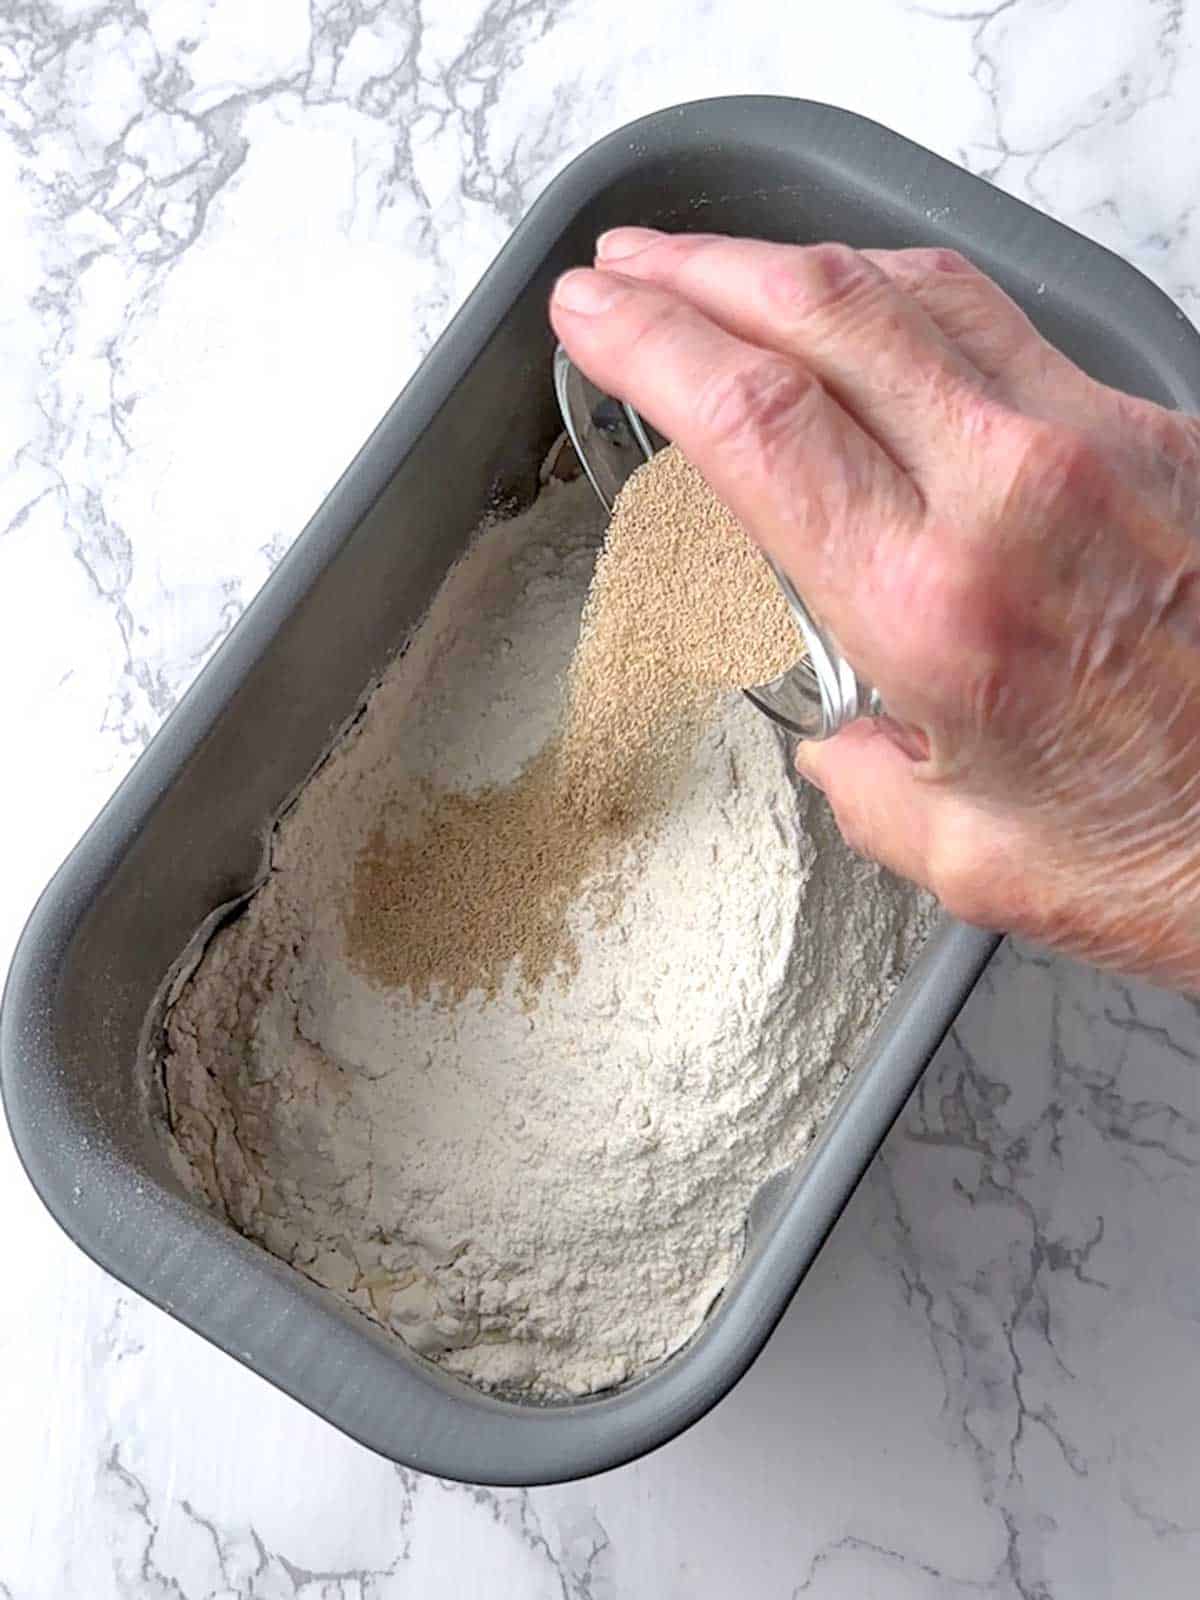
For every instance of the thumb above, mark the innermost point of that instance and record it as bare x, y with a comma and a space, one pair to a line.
882, 807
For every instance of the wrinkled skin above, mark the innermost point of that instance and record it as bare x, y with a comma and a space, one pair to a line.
1007, 549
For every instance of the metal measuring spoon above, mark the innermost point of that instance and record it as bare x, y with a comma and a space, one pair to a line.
814, 698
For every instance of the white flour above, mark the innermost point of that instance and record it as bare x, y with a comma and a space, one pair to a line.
543, 1201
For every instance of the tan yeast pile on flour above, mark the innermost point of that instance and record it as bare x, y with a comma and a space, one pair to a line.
682, 608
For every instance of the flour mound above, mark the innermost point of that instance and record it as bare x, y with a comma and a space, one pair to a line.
543, 1193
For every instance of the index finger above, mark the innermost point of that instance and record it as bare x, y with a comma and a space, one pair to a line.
816, 491
833, 308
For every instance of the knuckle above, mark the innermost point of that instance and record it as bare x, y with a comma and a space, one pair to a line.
931, 259
814, 278
914, 266
942, 259
1056, 468
947, 611
1170, 440
832, 265
750, 406
963, 641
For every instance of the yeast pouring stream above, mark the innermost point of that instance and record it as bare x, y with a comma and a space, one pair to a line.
680, 607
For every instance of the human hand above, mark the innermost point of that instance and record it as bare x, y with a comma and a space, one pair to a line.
1005, 548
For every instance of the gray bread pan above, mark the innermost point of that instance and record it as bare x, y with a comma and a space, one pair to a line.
185, 832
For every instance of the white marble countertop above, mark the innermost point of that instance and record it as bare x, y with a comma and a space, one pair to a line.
229, 233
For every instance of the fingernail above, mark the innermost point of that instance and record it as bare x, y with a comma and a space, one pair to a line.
620, 242
587, 292
836, 265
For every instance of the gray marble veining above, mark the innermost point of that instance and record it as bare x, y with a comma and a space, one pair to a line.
230, 233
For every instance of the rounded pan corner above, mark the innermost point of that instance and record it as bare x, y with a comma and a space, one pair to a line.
26, 1021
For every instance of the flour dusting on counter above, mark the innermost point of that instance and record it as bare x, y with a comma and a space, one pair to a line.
541, 1189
